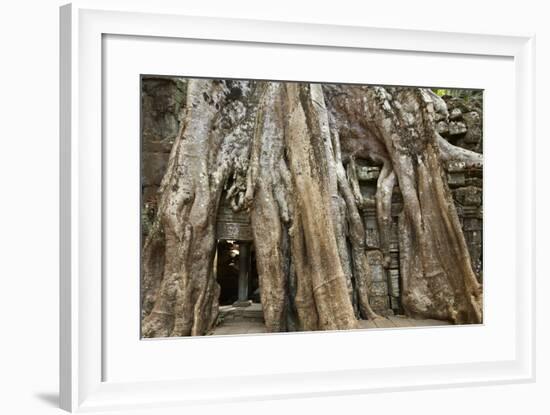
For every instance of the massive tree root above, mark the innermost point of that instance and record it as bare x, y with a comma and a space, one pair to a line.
268, 184
437, 277
210, 153
286, 152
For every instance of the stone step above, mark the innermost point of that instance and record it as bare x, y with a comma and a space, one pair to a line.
253, 311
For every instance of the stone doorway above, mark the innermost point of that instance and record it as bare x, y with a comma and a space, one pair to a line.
240, 309
236, 273
240, 306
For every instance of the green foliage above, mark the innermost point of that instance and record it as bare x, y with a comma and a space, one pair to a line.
465, 94
440, 92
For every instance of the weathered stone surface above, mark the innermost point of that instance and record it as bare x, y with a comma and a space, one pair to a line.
472, 224
394, 262
371, 230
394, 238
474, 181
464, 105
457, 128
473, 125
469, 112
455, 114
163, 100
474, 240
232, 225
456, 179
381, 305
441, 116
163, 146
378, 290
394, 283
468, 196
376, 259
153, 170
149, 193
455, 167
442, 128
368, 173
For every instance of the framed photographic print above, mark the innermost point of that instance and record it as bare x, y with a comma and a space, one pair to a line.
258, 209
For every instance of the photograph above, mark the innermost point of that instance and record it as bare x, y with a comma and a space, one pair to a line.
283, 206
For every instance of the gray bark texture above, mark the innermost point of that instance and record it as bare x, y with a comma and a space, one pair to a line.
286, 153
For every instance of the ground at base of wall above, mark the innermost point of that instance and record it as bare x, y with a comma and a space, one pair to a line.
249, 320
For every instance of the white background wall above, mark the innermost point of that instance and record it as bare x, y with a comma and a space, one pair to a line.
29, 198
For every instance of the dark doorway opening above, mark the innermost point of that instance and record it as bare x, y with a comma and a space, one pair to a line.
236, 273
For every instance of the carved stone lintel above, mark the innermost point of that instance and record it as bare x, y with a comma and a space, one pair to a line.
232, 225
368, 173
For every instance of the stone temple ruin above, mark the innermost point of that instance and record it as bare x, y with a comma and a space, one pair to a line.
162, 101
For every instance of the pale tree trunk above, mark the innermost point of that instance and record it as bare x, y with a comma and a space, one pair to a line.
307, 136
268, 184
286, 152
291, 188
